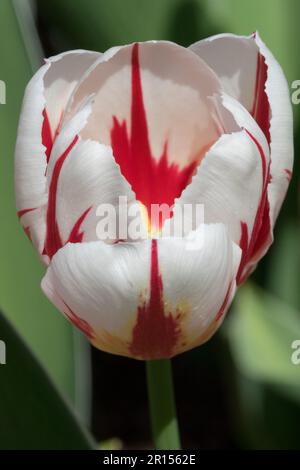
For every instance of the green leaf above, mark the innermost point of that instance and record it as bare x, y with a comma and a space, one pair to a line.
48, 333
261, 331
33, 414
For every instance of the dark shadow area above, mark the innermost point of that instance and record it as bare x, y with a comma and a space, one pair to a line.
189, 23
120, 406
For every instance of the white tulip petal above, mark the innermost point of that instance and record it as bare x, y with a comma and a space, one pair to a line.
64, 73
231, 179
281, 131
81, 175
238, 60
70, 131
234, 59
199, 280
89, 178
30, 161
150, 299
45, 99
102, 284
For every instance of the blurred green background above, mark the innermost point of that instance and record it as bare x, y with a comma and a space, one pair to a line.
239, 391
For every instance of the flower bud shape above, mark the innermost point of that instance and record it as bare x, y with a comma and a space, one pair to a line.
156, 125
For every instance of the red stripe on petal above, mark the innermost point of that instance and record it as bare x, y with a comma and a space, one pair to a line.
261, 107
76, 236
27, 232
53, 240
262, 157
289, 174
243, 244
47, 137
262, 234
261, 230
262, 225
20, 215
25, 211
155, 334
224, 304
81, 324
154, 181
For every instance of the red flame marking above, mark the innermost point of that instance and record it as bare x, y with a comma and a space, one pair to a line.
153, 181
47, 138
25, 211
289, 174
155, 334
80, 323
262, 226
224, 304
261, 108
53, 239
76, 236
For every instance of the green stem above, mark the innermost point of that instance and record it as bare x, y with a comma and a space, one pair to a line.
162, 405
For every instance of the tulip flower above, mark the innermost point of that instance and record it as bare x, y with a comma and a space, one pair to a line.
156, 123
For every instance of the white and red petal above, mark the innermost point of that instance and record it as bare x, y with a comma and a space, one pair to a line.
150, 299
235, 59
153, 104
45, 99
249, 72
31, 162
230, 181
81, 175
89, 177
64, 73
281, 130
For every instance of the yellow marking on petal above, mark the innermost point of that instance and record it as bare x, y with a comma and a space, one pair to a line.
152, 230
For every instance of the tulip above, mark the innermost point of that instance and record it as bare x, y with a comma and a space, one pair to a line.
155, 124
159, 124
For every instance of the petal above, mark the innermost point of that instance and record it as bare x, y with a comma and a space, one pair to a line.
45, 98
81, 176
169, 78
230, 180
281, 131
89, 178
249, 72
234, 59
65, 71
67, 134
150, 299
30, 161
154, 106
